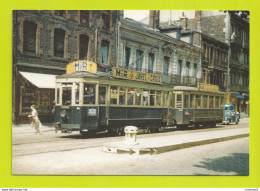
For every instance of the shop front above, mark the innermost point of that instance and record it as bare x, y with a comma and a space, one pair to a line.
241, 102
34, 89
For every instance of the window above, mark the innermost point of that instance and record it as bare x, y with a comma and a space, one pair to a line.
173, 101
179, 67
198, 102
221, 102
205, 101
60, 13
84, 17
127, 56
113, 95
104, 51
166, 62
150, 63
139, 60
158, 98
59, 37
83, 46
122, 96
138, 95
102, 95
66, 94
130, 96
179, 101
165, 98
89, 94
195, 70
186, 101
191, 101
106, 20
187, 68
216, 102
152, 98
29, 36
145, 97
211, 99
76, 89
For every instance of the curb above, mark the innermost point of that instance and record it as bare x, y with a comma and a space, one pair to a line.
117, 147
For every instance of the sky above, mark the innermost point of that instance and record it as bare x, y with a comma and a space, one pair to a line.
136, 14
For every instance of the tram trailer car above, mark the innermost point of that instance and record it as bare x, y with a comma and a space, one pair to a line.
90, 102
194, 106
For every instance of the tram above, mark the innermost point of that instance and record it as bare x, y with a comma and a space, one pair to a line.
88, 101
197, 106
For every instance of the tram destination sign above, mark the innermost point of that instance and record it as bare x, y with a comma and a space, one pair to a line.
137, 76
81, 66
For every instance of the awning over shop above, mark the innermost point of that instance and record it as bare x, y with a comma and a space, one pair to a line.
238, 95
40, 80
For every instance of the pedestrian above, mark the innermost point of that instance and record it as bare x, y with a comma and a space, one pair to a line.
35, 122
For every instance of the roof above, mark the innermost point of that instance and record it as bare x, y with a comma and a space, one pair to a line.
85, 74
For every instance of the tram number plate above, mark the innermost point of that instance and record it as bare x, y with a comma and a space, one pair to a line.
92, 111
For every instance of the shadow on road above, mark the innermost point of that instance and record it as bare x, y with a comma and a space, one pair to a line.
237, 163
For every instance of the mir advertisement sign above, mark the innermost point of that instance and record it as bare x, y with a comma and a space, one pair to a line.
137, 76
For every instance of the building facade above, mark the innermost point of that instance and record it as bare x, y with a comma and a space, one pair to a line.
152, 49
45, 41
225, 58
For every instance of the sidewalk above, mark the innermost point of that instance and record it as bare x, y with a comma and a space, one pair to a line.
27, 127
156, 145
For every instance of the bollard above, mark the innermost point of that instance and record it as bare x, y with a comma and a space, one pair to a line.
130, 135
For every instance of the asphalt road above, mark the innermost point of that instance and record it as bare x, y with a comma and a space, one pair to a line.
74, 154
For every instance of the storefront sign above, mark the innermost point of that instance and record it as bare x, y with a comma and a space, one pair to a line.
208, 87
137, 76
81, 66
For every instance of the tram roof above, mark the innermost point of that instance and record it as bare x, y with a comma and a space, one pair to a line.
194, 89
85, 74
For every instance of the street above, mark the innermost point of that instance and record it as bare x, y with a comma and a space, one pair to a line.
73, 154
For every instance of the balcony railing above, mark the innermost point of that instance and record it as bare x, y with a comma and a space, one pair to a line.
239, 87
214, 62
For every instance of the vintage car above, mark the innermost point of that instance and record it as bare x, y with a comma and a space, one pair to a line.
230, 116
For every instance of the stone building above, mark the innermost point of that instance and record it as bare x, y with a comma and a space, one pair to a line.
225, 58
45, 41
153, 49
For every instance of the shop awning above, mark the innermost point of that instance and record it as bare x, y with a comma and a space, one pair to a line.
238, 95
40, 80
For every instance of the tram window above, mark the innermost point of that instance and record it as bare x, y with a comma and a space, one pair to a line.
113, 95
102, 95
221, 102
211, 101
165, 98
191, 100
186, 101
122, 96
138, 95
158, 98
198, 101
66, 96
216, 102
89, 94
179, 101
173, 100
77, 93
130, 96
152, 98
205, 101
145, 97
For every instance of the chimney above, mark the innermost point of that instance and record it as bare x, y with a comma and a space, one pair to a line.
154, 19
197, 22
184, 21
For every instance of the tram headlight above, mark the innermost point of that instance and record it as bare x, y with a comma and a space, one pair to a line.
63, 113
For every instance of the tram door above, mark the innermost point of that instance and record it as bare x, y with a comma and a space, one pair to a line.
170, 110
102, 102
